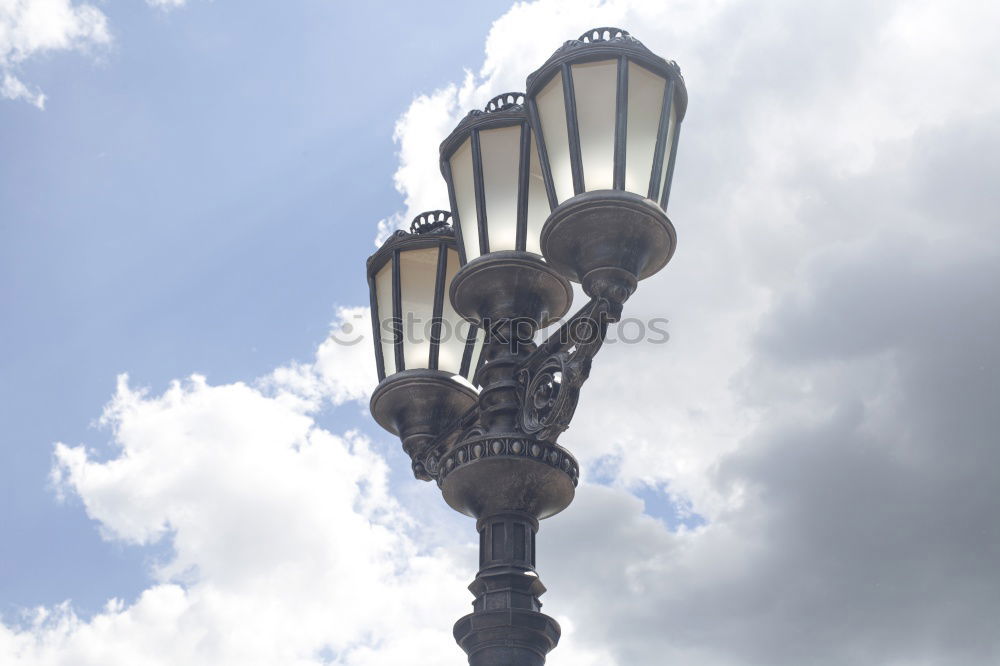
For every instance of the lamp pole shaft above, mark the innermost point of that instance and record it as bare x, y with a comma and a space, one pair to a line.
506, 627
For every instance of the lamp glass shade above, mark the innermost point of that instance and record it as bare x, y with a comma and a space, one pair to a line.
413, 321
670, 149
454, 330
417, 278
538, 203
595, 85
609, 113
500, 149
465, 198
384, 334
551, 106
645, 101
495, 180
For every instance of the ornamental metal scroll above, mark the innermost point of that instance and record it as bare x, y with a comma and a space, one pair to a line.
551, 378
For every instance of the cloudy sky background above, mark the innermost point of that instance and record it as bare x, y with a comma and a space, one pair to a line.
804, 474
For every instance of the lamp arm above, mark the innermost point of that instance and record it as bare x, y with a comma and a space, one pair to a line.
550, 378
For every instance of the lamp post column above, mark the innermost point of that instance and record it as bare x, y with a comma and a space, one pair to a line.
506, 626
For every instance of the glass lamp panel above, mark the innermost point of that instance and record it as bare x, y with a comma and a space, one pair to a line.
465, 198
417, 277
552, 116
501, 153
454, 329
645, 100
596, 87
671, 139
383, 295
538, 203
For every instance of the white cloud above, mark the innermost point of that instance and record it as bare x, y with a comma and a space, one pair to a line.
166, 4
29, 28
278, 529
13, 88
343, 369
32, 28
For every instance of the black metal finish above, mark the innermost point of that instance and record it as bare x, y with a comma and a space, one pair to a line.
523, 185
413, 404
621, 123
494, 455
506, 626
505, 102
376, 326
608, 229
510, 285
429, 221
470, 344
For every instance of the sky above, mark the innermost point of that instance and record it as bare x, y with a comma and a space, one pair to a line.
804, 473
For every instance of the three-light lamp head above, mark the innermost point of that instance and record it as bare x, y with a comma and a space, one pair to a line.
568, 181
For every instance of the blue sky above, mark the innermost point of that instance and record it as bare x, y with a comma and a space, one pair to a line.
803, 473
196, 197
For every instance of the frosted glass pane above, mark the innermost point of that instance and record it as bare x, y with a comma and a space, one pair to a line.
552, 116
671, 138
501, 152
538, 202
383, 294
465, 198
645, 100
596, 87
417, 273
454, 330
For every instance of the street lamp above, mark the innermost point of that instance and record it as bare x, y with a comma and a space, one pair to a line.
421, 344
568, 181
608, 112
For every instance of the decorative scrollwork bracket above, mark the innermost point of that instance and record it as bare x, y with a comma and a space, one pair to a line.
550, 379
549, 395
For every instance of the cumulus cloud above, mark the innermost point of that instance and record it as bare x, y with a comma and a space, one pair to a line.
286, 543
32, 28
826, 400
29, 28
277, 528
343, 369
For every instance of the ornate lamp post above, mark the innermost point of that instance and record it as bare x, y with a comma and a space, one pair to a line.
568, 181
